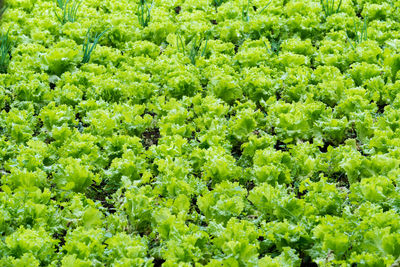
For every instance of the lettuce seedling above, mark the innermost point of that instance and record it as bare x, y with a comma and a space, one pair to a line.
144, 12
360, 33
69, 10
89, 46
328, 6
5, 48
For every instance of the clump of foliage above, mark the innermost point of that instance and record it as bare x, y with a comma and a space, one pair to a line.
89, 45
69, 10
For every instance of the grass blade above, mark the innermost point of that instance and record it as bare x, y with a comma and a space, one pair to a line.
88, 47
69, 11
5, 48
265, 7
338, 8
144, 13
3, 10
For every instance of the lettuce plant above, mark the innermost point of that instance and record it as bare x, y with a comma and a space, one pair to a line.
69, 10
5, 48
283, 153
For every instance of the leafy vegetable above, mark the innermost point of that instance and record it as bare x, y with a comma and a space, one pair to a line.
201, 133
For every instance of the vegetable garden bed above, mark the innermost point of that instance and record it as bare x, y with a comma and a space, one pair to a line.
200, 133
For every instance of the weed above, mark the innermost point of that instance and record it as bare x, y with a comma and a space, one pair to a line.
194, 51
144, 13
217, 3
69, 10
245, 10
89, 46
2, 10
5, 48
328, 6
360, 33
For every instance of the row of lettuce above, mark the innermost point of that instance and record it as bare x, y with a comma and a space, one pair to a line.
276, 146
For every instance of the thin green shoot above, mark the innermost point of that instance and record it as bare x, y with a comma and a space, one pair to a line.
2, 10
245, 12
361, 33
268, 49
89, 46
205, 46
180, 44
60, 3
194, 50
328, 6
262, 9
144, 13
275, 47
69, 11
217, 3
5, 48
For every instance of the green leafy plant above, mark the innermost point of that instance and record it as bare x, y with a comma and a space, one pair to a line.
194, 50
144, 12
328, 6
5, 48
69, 10
88, 46
360, 33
